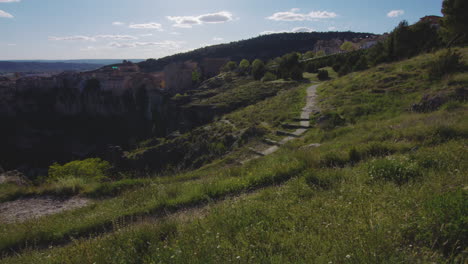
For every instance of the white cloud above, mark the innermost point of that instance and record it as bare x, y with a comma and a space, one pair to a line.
11, 44
117, 23
396, 13
293, 15
146, 35
73, 38
294, 30
302, 29
167, 44
93, 38
9, 1
218, 39
331, 28
116, 37
5, 14
175, 33
151, 25
189, 21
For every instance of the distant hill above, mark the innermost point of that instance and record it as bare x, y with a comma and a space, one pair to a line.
263, 47
9, 66
56, 65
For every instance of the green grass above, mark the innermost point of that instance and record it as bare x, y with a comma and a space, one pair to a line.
155, 195
386, 186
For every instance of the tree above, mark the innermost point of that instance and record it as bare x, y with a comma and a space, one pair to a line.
288, 64
258, 69
268, 77
455, 21
196, 77
229, 66
322, 75
320, 53
244, 66
347, 46
308, 55
296, 73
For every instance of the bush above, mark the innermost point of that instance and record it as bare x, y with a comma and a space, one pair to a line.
93, 169
323, 75
330, 119
230, 66
446, 63
323, 179
398, 169
268, 77
354, 156
258, 69
333, 160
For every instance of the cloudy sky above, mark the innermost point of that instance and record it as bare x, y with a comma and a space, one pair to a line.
123, 29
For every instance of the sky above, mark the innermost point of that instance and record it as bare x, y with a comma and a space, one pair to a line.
131, 29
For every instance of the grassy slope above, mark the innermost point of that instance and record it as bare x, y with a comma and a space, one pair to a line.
337, 207
155, 195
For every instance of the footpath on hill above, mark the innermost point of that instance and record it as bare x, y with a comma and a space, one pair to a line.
301, 128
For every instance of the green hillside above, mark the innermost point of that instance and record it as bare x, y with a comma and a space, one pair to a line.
380, 178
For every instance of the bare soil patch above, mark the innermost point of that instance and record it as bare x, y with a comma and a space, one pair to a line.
24, 209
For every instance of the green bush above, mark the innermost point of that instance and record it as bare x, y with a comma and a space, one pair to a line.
323, 179
398, 169
323, 75
452, 106
333, 160
268, 77
93, 169
354, 156
330, 119
378, 150
446, 63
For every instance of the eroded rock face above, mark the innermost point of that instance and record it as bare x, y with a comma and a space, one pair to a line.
75, 115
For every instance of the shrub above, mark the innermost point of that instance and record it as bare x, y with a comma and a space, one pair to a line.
330, 119
323, 179
333, 160
258, 69
354, 156
398, 169
268, 77
323, 75
447, 62
93, 169
229, 66
452, 106
378, 150
443, 133
67, 186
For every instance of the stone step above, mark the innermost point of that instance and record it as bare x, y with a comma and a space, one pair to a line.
256, 152
284, 133
301, 119
270, 142
294, 126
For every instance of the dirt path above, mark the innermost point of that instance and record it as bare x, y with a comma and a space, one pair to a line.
24, 209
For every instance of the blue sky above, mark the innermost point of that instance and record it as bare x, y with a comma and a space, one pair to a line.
119, 29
